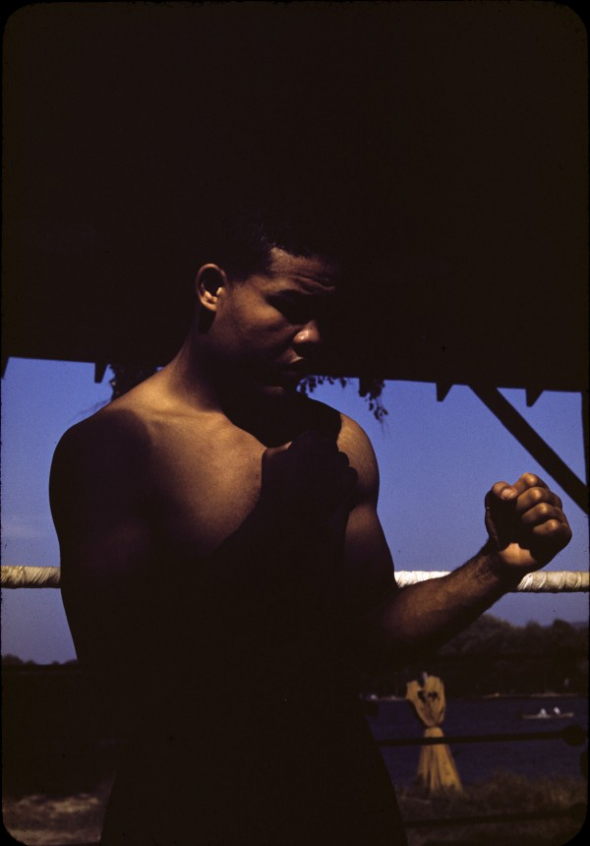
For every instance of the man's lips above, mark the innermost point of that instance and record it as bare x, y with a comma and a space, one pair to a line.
295, 369
290, 372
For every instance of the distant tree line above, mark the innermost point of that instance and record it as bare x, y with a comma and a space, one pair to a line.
490, 656
10, 660
493, 656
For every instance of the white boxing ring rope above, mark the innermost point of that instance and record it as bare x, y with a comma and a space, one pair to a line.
558, 581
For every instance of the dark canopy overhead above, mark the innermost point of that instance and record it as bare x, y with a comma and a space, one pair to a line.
458, 128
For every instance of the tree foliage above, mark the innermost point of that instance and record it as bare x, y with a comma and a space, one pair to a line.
126, 376
493, 656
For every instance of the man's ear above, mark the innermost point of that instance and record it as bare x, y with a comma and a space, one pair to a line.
210, 282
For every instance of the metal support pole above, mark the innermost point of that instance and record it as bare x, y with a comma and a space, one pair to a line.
534, 443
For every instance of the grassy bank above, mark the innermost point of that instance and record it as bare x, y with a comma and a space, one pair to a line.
42, 820
506, 793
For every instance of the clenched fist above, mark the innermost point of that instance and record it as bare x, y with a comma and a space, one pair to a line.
309, 479
526, 523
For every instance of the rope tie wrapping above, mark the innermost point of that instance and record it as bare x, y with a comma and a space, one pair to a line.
30, 577
562, 581
558, 581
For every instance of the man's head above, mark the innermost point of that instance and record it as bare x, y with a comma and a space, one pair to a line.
268, 267
262, 332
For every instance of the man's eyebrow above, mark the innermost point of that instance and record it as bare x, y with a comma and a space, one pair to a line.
291, 294
306, 286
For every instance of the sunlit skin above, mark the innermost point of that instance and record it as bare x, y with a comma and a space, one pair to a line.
216, 463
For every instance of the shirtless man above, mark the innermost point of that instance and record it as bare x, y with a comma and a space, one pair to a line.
224, 572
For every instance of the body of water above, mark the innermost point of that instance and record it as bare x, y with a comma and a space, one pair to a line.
72, 757
480, 761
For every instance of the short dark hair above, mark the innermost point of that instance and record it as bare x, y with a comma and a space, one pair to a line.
238, 231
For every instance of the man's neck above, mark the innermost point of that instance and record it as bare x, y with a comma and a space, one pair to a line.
273, 420
278, 420
187, 380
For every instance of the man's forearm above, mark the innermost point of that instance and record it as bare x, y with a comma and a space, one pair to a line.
423, 616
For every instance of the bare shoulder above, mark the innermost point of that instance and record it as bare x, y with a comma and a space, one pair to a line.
107, 449
123, 423
113, 428
357, 445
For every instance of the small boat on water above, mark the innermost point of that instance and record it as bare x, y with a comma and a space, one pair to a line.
554, 714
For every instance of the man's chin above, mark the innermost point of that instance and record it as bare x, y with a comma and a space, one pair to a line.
267, 388
280, 390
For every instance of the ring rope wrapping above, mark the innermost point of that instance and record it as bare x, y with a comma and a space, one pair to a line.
561, 581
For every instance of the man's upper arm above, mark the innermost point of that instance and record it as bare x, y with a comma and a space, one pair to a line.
368, 558
97, 493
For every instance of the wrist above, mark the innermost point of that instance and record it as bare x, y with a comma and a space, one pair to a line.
507, 574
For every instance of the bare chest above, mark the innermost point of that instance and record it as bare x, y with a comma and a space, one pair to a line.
204, 485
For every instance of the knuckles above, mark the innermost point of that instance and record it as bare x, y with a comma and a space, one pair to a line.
554, 526
535, 498
497, 489
544, 509
542, 512
535, 493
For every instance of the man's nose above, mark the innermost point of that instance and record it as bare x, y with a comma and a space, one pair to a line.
308, 337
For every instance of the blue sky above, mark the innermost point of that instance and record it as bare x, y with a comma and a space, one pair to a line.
437, 460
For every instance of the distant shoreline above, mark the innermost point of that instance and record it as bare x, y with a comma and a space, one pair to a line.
547, 695
73, 668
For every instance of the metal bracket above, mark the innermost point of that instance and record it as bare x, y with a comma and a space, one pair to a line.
534, 443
